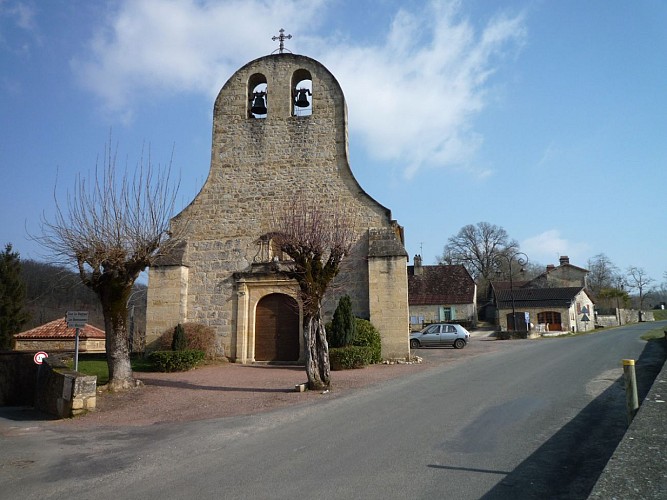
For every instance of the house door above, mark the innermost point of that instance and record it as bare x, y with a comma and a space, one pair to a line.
277, 328
551, 319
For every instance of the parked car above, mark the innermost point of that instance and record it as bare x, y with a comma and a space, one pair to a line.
440, 334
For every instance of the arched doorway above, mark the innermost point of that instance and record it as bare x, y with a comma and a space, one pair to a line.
277, 328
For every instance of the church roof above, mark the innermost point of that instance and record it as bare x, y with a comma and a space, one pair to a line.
440, 285
57, 329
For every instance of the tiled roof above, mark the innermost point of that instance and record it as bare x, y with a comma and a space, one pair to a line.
537, 297
440, 285
57, 329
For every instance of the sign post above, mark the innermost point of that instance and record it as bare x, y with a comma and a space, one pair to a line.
76, 319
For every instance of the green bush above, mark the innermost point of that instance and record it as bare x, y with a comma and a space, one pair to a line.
343, 324
175, 361
178, 339
198, 337
346, 358
368, 336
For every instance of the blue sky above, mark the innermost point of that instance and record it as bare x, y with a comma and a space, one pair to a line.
548, 118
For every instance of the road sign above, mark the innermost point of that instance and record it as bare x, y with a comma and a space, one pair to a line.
77, 319
38, 358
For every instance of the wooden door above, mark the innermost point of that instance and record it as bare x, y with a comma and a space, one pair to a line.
277, 328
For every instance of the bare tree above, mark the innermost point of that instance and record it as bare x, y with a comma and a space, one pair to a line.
317, 238
603, 274
113, 226
638, 279
477, 247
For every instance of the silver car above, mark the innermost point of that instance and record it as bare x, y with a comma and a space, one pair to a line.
440, 334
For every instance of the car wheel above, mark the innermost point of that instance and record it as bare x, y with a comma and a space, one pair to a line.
459, 343
414, 344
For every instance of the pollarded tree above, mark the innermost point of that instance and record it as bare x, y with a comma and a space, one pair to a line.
317, 237
112, 228
12, 297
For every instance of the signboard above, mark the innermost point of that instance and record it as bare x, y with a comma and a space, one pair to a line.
77, 319
526, 317
38, 358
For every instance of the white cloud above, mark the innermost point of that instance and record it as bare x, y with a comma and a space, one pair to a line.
169, 46
412, 97
548, 246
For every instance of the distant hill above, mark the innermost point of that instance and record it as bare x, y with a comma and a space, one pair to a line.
54, 290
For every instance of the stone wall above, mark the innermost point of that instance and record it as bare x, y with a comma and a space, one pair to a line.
63, 392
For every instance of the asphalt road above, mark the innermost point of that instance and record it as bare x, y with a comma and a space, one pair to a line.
536, 421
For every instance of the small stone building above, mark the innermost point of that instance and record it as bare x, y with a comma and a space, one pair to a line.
564, 309
279, 132
55, 336
441, 293
563, 275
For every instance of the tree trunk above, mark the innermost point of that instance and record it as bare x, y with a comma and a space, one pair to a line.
117, 335
317, 352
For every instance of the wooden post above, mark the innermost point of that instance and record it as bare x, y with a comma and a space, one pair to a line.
631, 399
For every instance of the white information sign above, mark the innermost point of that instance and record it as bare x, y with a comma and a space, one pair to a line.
77, 319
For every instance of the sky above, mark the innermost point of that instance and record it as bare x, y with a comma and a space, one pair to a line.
546, 118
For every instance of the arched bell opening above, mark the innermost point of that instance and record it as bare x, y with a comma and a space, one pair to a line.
257, 96
302, 93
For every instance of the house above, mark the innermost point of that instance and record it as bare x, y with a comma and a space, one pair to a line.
563, 275
55, 336
555, 309
279, 130
441, 293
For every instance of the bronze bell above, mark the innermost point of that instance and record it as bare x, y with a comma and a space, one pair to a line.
302, 99
258, 104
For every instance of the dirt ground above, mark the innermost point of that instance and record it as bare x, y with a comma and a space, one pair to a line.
229, 389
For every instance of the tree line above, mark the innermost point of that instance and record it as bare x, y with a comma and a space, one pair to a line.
486, 251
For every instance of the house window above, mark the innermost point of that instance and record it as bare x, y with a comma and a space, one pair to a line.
446, 314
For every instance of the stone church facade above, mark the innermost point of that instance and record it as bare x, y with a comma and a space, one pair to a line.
226, 271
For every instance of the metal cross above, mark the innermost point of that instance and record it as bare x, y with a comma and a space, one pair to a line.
282, 37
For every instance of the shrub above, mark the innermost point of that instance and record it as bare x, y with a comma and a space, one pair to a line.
197, 336
348, 357
178, 340
175, 361
368, 336
343, 324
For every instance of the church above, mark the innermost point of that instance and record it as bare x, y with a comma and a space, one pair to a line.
279, 130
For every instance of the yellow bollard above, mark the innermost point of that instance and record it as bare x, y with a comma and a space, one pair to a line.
631, 398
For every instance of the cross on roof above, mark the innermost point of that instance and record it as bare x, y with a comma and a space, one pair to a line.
282, 37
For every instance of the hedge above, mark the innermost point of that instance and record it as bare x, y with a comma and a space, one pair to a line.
175, 361
346, 358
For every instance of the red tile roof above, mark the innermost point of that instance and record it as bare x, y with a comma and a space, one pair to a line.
440, 285
57, 329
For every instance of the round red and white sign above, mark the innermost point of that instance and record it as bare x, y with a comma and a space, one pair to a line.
39, 357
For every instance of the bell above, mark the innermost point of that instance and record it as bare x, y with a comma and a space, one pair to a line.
258, 104
302, 99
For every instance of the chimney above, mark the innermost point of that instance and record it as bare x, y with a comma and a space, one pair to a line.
418, 265
564, 260
550, 267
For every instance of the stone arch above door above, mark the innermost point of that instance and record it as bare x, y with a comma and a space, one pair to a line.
266, 295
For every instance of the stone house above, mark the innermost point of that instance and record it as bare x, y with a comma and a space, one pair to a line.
563, 275
544, 310
441, 293
280, 132
55, 336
